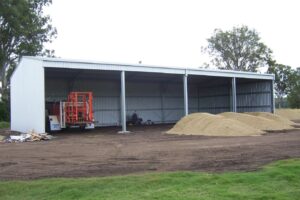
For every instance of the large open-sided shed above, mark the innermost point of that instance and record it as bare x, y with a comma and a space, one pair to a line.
159, 94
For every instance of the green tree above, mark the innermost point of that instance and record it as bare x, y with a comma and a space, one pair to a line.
294, 96
238, 49
285, 80
24, 29
4, 110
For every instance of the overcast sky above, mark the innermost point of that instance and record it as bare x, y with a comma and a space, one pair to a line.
168, 32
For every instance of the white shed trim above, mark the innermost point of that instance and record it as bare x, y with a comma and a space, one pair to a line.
93, 65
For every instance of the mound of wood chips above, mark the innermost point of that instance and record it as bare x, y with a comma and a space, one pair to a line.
212, 125
274, 117
291, 114
259, 122
230, 124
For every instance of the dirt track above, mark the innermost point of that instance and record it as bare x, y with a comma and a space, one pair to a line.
103, 152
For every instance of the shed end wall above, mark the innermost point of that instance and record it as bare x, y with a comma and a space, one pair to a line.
27, 97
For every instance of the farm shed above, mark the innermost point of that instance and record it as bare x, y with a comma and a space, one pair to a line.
158, 94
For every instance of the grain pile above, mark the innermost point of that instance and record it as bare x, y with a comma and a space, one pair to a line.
212, 125
274, 117
259, 122
291, 114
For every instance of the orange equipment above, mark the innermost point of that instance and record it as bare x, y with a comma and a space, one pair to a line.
79, 109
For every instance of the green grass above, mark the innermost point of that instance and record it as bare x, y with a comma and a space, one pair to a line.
280, 180
4, 124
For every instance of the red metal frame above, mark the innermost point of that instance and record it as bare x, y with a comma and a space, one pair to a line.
55, 109
79, 108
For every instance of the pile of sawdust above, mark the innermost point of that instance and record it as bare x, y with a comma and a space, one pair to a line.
291, 114
212, 125
274, 117
256, 121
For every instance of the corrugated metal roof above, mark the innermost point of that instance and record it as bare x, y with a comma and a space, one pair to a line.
96, 65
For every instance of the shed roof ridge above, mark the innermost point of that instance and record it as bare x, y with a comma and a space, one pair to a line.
138, 65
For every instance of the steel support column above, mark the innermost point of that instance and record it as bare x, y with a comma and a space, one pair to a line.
161, 94
123, 103
272, 97
185, 94
233, 89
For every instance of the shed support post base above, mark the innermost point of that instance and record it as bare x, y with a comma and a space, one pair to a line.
124, 132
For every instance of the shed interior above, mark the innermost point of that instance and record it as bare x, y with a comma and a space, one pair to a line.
157, 97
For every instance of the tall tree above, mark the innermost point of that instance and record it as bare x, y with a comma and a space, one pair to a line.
24, 29
238, 49
294, 96
285, 80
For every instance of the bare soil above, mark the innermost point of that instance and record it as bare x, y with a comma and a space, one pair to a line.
104, 152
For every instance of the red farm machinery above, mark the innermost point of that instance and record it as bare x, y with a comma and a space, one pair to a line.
76, 111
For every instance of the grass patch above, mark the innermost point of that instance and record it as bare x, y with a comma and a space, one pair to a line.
280, 180
4, 125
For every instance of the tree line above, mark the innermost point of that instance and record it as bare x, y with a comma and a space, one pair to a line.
241, 49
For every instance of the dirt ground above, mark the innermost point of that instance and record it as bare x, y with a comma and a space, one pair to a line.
103, 152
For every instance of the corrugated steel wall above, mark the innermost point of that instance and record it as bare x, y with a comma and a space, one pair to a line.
254, 96
172, 94
214, 99
160, 101
106, 102
106, 99
144, 99
156, 101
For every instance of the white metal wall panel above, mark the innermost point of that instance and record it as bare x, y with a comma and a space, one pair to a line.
27, 97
